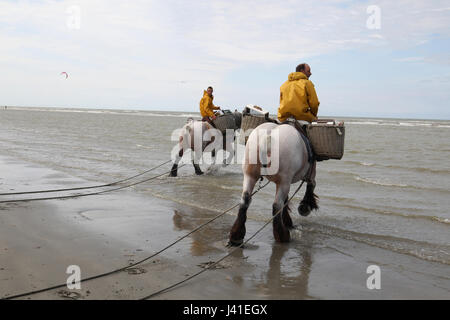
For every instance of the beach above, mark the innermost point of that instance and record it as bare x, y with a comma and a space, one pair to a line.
398, 221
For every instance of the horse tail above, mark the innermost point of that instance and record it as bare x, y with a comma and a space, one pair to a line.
265, 149
185, 134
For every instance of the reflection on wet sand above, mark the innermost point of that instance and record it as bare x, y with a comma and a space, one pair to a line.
289, 269
202, 241
286, 276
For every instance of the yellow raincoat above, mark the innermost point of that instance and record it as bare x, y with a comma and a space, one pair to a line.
298, 98
206, 105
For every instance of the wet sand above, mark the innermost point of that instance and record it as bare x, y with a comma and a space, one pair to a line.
39, 240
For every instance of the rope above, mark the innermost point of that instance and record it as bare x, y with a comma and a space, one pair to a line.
136, 263
227, 255
84, 188
92, 193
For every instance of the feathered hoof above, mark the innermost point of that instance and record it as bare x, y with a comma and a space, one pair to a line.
304, 209
199, 173
283, 237
290, 226
172, 174
235, 243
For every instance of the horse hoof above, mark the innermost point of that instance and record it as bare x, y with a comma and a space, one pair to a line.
286, 237
199, 173
288, 223
172, 174
304, 209
235, 243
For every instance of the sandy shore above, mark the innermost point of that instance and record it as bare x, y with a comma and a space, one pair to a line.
39, 240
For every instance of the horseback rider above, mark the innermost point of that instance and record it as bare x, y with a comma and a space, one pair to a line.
298, 98
207, 107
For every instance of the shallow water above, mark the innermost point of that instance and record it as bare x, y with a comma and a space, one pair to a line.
391, 189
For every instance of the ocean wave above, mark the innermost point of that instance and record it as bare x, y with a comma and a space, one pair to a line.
419, 249
363, 122
334, 198
182, 115
398, 185
418, 169
381, 183
352, 175
426, 124
117, 112
360, 163
395, 213
145, 147
392, 166
442, 220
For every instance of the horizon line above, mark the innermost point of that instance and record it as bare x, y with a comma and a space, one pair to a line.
409, 117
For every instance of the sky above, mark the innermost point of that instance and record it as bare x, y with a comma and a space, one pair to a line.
368, 58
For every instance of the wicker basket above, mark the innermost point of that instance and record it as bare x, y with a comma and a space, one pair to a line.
327, 140
225, 121
238, 119
252, 116
250, 122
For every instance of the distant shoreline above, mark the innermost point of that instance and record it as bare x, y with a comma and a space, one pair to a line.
81, 109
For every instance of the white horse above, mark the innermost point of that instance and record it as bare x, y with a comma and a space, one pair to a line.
290, 156
200, 136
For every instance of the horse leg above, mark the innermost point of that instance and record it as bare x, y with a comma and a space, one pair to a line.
174, 170
227, 149
280, 230
195, 162
213, 156
198, 171
309, 201
287, 221
229, 152
237, 232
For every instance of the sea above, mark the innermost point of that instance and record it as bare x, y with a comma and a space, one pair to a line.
390, 190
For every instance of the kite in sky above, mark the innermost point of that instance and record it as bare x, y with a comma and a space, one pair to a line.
65, 73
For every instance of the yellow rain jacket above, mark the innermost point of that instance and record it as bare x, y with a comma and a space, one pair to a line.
298, 98
206, 105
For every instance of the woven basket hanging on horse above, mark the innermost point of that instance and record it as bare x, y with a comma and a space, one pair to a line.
327, 139
225, 121
324, 138
252, 116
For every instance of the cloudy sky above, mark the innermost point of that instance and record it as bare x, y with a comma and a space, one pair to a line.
368, 58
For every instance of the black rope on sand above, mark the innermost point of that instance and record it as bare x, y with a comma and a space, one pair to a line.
84, 188
134, 264
210, 266
89, 194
